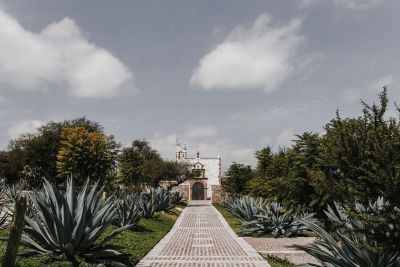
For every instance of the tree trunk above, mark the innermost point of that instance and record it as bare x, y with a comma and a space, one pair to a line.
15, 233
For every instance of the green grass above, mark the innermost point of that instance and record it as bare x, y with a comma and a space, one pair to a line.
137, 243
277, 262
232, 220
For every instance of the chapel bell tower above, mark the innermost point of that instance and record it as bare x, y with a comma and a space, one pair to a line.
181, 151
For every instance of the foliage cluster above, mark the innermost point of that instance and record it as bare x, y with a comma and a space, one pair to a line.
350, 245
140, 164
80, 147
136, 243
355, 160
261, 218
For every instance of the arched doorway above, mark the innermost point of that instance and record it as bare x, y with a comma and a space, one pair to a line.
198, 191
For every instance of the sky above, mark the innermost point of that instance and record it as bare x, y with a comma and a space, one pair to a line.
226, 77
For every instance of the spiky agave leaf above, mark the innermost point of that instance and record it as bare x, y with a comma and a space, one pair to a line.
273, 220
244, 208
162, 199
176, 198
4, 213
346, 251
70, 223
129, 211
147, 205
13, 191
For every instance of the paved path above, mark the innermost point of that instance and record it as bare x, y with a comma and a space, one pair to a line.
202, 238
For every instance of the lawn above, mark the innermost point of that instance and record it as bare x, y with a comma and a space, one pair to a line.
137, 243
235, 225
232, 220
277, 262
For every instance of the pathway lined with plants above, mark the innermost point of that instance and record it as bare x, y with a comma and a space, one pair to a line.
202, 237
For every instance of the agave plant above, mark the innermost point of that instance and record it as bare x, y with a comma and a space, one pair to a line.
147, 204
162, 199
71, 223
244, 208
129, 211
3, 202
274, 221
176, 198
365, 222
346, 251
13, 191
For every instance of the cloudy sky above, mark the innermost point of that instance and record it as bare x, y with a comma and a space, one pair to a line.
228, 77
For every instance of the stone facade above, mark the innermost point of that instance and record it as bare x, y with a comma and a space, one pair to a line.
207, 172
217, 194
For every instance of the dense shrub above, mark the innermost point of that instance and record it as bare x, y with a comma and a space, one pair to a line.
349, 246
355, 160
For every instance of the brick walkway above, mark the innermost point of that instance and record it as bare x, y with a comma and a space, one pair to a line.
202, 238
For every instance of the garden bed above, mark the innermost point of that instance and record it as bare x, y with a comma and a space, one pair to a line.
282, 248
137, 243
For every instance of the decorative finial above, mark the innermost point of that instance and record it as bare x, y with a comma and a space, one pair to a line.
198, 154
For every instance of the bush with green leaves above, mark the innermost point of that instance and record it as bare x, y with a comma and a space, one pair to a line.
344, 250
274, 220
365, 222
244, 208
129, 211
70, 223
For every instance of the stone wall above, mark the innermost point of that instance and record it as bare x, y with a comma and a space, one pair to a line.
184, 189
217, 194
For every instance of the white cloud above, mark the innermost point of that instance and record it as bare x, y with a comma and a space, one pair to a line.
259, 56
24, 127
58, 56
358, 4
347, 4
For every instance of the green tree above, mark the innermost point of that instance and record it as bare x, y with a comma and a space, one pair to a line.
86, 154
270, 167
264, 158
33, 156
237, 177
360, 162
296, 188
140, 165
129, 167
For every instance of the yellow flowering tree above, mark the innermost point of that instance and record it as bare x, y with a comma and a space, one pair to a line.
85, 153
